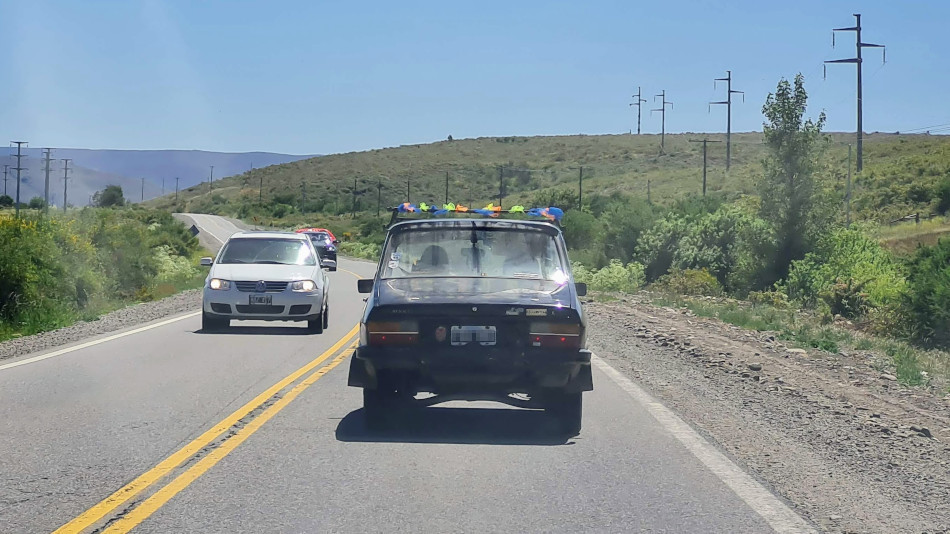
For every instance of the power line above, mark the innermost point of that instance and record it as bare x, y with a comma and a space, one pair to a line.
662, 110
18, 168
703, 141
638, 100
857, 60
728, 103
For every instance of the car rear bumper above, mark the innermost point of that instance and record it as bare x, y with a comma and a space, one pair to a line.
474, 370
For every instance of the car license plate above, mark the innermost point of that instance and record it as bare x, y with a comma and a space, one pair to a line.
483, 335
261, 299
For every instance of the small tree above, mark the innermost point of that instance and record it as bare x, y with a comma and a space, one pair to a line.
111, 196
788, 187
37, 203
6, 201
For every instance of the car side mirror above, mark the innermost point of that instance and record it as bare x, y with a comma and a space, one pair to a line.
581, 289
365, 285
336, 241
207, 262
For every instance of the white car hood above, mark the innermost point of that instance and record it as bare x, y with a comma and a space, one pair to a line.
242, 271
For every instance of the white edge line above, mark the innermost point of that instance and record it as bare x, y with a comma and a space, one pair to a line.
776, 513
87, 344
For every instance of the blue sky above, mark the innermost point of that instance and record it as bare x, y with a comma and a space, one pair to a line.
326, 77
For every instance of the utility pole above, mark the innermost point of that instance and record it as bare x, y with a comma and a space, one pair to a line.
354, 197
704, 141
379, 194
662, 110
303, 193
143, 190
408, 197
637, 101
728, 104
5, 168
46, 153
260, 192
649, 200
580, 189
211, 180
847, 194
163, 186
18, 168
859, 45
65, 181
446, 187
501, 185
176, 190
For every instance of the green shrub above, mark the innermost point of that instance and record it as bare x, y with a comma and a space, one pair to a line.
849, 257
356, 249
943, 196
927, 299
695, 282
616, 276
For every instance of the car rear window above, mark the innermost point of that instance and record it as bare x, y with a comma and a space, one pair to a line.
484, 252
267, 251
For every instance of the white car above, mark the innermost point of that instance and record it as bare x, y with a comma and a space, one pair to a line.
269, 276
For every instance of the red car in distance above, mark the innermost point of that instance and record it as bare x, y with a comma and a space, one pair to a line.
309, 230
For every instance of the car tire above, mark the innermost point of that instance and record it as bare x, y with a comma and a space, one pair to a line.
332, 269
315, 326
326, 316
210, 323
567, 408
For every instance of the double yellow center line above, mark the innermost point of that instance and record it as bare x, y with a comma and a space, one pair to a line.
217, 444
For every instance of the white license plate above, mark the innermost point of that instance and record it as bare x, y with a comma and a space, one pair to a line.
483, 335
261, 299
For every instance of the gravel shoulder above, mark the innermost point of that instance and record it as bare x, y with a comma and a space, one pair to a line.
123, 318
849, 447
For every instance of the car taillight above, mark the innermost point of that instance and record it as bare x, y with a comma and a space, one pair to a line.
393, 332
555, 335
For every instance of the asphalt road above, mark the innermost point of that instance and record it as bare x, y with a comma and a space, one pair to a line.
170, 429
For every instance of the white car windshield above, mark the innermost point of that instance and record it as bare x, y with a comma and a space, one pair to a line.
460, 252
264, 250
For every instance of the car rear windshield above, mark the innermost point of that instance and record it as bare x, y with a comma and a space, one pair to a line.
319, 237
484, 252
267, 251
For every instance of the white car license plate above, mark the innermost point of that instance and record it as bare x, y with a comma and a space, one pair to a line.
483, 335
261, 299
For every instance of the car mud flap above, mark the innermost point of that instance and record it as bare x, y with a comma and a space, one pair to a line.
362, 375
582, 381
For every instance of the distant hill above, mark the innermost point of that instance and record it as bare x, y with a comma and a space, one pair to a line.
900, 175
91, 170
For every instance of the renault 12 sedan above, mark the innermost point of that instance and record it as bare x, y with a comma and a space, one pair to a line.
265, 276
473, 310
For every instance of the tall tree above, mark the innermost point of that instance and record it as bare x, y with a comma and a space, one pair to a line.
789, 195
108, 197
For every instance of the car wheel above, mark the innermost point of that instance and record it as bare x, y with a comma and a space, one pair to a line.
316, 325
567, 408
213, 323
332, 269
326, 316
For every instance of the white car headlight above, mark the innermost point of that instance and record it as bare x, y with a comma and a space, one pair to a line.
217, 283
303, 285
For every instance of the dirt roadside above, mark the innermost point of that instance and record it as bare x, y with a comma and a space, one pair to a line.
846, 445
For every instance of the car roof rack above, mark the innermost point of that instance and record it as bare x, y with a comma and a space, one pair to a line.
411, 212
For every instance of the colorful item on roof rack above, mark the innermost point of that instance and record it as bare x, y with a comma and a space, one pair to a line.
491, 210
